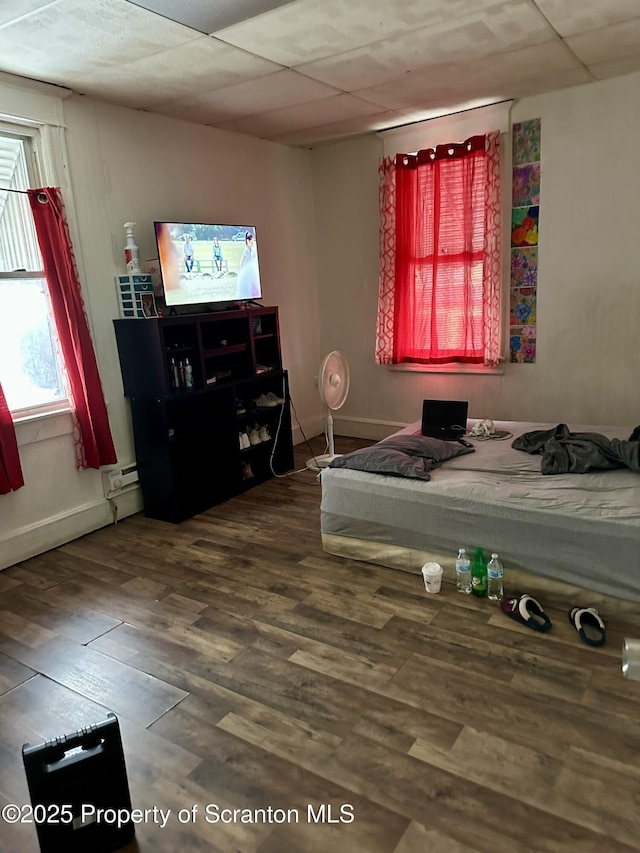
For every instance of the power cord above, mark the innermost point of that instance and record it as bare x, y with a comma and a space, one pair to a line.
275, 441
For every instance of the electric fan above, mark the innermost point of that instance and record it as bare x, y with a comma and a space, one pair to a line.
333, 386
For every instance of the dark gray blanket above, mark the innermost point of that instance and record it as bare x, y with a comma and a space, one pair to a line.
565, 452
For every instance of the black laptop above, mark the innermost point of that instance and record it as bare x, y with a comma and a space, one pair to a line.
446, 419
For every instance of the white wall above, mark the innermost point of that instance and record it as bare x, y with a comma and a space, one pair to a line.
127, 165
589, 279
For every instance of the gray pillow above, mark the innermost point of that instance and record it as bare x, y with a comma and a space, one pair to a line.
429, 448
401, 456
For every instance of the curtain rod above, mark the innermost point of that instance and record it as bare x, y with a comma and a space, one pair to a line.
42, 197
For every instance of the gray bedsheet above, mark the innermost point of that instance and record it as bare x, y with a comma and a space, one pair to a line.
582, 530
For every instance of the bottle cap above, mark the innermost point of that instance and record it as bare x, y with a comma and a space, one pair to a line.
494, 556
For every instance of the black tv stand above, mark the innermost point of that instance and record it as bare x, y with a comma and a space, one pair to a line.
188, 435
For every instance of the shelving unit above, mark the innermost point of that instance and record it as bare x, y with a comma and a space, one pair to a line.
187, 439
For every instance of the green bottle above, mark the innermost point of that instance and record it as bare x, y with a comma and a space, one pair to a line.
479, 574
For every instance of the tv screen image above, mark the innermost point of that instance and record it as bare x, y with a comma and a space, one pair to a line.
204, 263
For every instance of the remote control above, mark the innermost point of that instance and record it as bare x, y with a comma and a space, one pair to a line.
464, 442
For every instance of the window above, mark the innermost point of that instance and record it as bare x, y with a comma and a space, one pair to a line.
440, 279
29, 368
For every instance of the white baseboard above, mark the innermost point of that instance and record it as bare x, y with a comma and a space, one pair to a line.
364, 427
350, 427
311, 427
40, 536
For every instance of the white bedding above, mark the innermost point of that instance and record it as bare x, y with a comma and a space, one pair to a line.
583, 529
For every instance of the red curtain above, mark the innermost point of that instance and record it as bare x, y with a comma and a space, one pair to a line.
94, 445
10, 470
440, 255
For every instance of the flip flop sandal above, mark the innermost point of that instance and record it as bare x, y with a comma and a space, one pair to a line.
587, 622
525, 609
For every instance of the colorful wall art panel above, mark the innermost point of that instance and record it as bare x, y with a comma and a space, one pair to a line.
525, 218
526, 142
526, 185
523, 344
524, 226
524, 267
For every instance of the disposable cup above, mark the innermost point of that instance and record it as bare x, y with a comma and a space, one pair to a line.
432, 575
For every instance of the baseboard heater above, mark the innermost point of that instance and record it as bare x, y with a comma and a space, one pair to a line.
119, 480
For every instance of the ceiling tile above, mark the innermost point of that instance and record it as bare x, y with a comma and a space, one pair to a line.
181, 72
194, 112
69, 38
302, 116
341, 129
205, 16
19, 8
463, 97
569, 17
612, 42
464, 80
615, 67
308, 30
417, 114
499, 29
271, 92
550, 82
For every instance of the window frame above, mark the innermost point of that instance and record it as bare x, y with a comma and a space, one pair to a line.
37, 157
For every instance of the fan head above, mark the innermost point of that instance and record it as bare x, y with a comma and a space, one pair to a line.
333, 380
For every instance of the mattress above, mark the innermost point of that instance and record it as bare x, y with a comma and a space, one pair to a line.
580, 529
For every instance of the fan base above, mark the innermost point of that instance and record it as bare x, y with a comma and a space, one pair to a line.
317, 463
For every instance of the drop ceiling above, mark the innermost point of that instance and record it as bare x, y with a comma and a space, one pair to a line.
302, 72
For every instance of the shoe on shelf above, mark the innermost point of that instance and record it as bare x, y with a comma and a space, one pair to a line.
254, 438
262, 402
241, 408
244, 441
273, 399
268, 401
263, 434
247, 473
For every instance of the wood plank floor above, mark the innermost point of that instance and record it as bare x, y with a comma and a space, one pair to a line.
251, 671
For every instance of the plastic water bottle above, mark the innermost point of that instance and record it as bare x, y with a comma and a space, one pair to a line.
495, 573
188, 374
463, 572
479, 574
175, 376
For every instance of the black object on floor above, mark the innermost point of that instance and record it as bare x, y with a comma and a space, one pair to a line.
75, 781
587, 622
527, 610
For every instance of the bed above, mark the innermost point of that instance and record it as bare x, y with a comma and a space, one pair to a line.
578, 529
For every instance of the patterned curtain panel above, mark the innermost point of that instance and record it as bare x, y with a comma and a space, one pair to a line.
492, 274
386, 291
440, 240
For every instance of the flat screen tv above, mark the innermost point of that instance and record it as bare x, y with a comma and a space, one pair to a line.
207, 264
